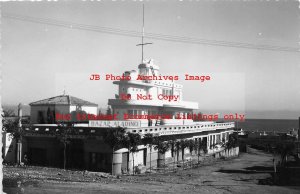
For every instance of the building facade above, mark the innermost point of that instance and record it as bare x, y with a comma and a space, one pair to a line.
87, 148
149, 93
55, 109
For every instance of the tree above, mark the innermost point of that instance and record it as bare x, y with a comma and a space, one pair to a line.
202, 146
183, 144
161, 145
63, 134
197, 148
14, 127
10, 125
8, 113
114, 138
132, 141
191, 144
285, 149
108, 111
148, 140
174, 144
232, 141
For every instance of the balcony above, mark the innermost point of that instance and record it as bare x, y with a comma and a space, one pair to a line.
83, 130
182, 129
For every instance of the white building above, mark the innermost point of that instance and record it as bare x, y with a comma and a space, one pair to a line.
45, 111
151, 97
88, 148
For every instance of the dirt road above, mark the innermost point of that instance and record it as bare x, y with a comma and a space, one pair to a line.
240, 175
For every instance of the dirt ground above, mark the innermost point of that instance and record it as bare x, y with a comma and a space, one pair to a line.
249, 173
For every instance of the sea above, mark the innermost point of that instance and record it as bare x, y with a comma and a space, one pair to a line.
268, 125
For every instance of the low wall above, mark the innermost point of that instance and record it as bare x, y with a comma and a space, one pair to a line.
159, 160
227, 153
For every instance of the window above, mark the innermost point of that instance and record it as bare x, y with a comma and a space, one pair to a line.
130, 112
135, 112
167, 92
41, 119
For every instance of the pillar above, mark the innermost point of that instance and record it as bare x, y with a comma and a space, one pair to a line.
160, 159
19, 142
19, 152
117, 163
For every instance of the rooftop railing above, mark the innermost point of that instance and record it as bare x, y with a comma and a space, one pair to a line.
181, 129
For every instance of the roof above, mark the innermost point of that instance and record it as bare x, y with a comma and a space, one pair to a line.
63, 100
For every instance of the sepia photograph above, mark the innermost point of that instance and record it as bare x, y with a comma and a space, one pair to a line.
150, 96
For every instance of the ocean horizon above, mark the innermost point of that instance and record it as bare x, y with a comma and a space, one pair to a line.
279, 125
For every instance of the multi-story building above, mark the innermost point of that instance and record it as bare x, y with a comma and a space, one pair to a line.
87, 148
51, 110
149, 93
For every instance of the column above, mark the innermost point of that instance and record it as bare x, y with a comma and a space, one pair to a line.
160, 159
19, 140
117, 163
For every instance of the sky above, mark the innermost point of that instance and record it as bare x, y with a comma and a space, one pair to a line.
41, 60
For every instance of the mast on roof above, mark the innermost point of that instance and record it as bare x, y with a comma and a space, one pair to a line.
143, 34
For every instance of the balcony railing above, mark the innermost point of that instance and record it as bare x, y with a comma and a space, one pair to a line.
158, 130
181, 129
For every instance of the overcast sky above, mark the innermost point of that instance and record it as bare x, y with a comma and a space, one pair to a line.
41, 60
